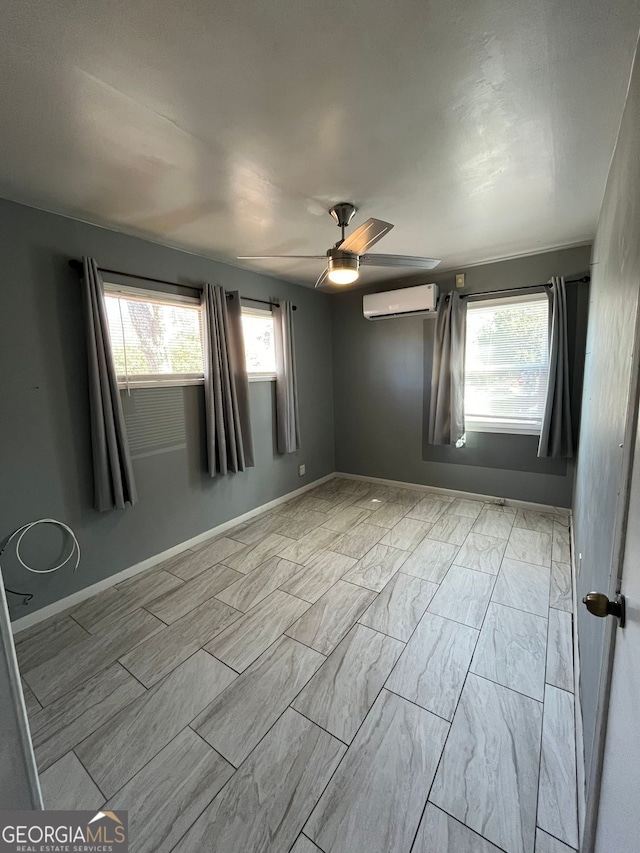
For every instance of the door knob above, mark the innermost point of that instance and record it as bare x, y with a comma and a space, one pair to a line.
598, 604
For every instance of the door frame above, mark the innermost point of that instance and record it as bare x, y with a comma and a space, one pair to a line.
615, 582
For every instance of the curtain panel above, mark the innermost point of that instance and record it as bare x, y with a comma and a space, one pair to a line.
113, 481
446, 412
556, 435
226, 385
287, 416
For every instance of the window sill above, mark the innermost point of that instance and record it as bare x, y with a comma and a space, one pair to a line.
159, 383
258, 377
508, 429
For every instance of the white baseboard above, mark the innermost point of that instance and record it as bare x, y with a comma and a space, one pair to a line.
536, 507
82, 594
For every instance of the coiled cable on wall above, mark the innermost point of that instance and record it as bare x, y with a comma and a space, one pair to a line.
19, 535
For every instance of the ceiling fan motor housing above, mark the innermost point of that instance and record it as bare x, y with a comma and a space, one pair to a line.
340, 261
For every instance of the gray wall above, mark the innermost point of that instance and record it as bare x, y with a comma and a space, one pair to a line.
614, 304
44, 427
379, 392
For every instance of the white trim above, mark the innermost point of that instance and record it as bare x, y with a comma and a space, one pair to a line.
82, 594
577, 705
148, 294
536, 507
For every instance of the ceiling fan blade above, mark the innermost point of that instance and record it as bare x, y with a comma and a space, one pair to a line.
399, 261
366, 236
322, 278
291, 257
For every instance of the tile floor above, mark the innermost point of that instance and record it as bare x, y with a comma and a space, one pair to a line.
365, 669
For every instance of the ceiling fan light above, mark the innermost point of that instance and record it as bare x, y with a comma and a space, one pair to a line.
343, 267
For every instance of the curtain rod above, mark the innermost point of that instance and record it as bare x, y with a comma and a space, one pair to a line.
585, 279
76, 265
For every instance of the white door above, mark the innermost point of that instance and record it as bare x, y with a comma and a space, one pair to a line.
618, 812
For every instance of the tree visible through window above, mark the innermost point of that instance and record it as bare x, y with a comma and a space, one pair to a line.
506, 364
154, 338
259, 343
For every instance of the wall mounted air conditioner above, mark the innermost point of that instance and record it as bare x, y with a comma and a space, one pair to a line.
407, 302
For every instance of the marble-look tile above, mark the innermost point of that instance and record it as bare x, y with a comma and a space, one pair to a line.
252, 556
388, 515
492, 522
512, 650
175, 604
482, 553
125, 743
463, 596
560, 650
244, 641
297, 507
529, 546
76, 664
264, 804
67, 785
467, 508
441, 833
430, 560
311, 582
375, 799
358, 541
44, 641
377, 567
547, 844
407, 534
330, 618
31, 703
303, 845
407, 498
347, 519
341, 502
524, 586
155, 657
400, 606
170, 792
303, 550
561, 594
237, 719
340, 694
65, 723
529, 520
488, 775
558, 798
507, 511
451, 528
561, 543
251, 589
428, 509
296, 528
433, 666
252, 531
99, 612
190, 563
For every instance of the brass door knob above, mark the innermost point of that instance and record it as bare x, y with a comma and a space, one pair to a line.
598, 604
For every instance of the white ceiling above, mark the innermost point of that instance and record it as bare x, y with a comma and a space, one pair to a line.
481, 129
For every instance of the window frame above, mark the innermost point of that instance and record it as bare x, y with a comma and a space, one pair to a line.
159, 297
508, 427
250, 311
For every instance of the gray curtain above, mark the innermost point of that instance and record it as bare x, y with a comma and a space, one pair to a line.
226, 386
446, 413
555, 434
287, 417
113, 480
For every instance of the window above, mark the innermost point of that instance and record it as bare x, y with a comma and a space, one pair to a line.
156, 337
506, 364
259, 343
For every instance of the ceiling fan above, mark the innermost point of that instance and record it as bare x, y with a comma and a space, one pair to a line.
348, 254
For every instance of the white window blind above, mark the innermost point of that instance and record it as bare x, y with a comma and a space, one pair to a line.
259, 343
156, 338
506, 364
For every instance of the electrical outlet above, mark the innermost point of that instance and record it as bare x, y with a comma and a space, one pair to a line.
302, 470
499, 502
460, 279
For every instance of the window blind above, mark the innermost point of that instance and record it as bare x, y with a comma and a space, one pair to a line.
506, 363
